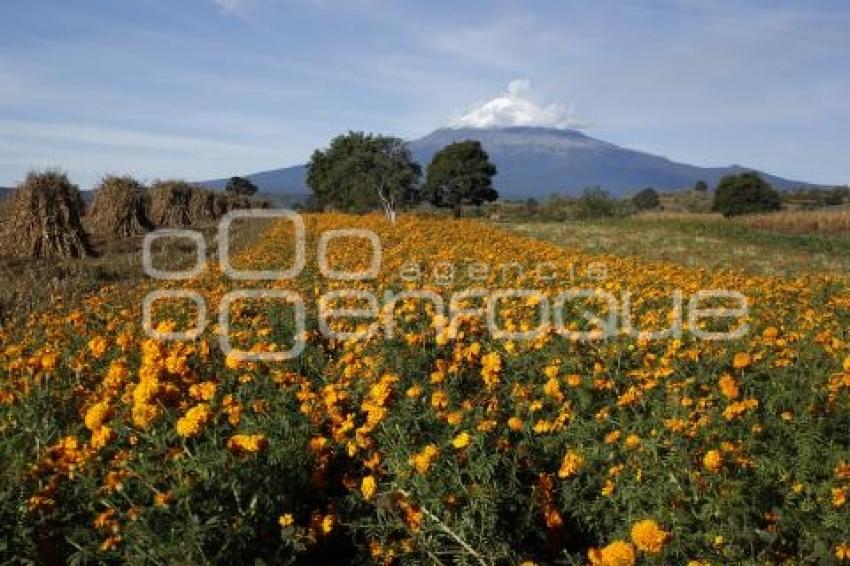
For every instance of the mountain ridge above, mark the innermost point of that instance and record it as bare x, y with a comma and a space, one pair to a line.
535, 162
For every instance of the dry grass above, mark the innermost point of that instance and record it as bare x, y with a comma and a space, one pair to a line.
41, 219
170, 204
118, 209
831, 221
31, 284
679, 216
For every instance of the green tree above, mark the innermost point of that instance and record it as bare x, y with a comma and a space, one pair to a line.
362, 172
646, 199
460, 174
701, 187
240, 186
746, 193
595, 202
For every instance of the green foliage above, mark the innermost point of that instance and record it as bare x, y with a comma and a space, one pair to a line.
816, 197
746, 193
460, 174
701, 187
646, 199
241, 186
361, 171
595, 202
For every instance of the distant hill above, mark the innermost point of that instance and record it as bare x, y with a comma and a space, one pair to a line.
4, 191
536, 162
287, 182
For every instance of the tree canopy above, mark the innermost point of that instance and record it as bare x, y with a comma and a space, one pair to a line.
361, 172
460, 174
240, 186
746, 193
595, 202
647, 199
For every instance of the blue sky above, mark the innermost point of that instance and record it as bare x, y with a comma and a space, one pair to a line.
211, 88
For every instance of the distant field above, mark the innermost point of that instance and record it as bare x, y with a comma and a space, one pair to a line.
834, 221
702, 240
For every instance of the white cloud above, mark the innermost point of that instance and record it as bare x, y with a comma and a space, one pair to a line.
516, 108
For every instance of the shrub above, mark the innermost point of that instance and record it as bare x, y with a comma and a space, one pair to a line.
646, 199
746, 193
595, 202
240, 186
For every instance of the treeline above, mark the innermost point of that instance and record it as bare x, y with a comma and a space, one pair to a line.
735, 195
360, 172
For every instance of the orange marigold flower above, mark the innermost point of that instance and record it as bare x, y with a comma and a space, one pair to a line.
571, 464
712, 461
195, 418
368, 487
247, 443
741, 360
461, 440
97, 346
618, 553
422, 461
648, 536
97, 414
728, 386
102, 436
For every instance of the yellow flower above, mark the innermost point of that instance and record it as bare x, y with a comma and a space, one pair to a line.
422, 461
571, 464
712, 461
190, 425
368, 487
49, 360
738, 408
741, 360
97, 346
842, 551
770, 332
246, 443
847, 364
162, 499
491, 365
285, 520
515, 423
612, 437
618, 553
461, 440
101, 437
97, 414
553, 389
728, 386
839, 496
648, 536
204, 391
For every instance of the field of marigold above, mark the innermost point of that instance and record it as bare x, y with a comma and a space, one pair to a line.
431, 440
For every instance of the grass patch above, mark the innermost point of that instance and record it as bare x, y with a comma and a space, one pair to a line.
709, 242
